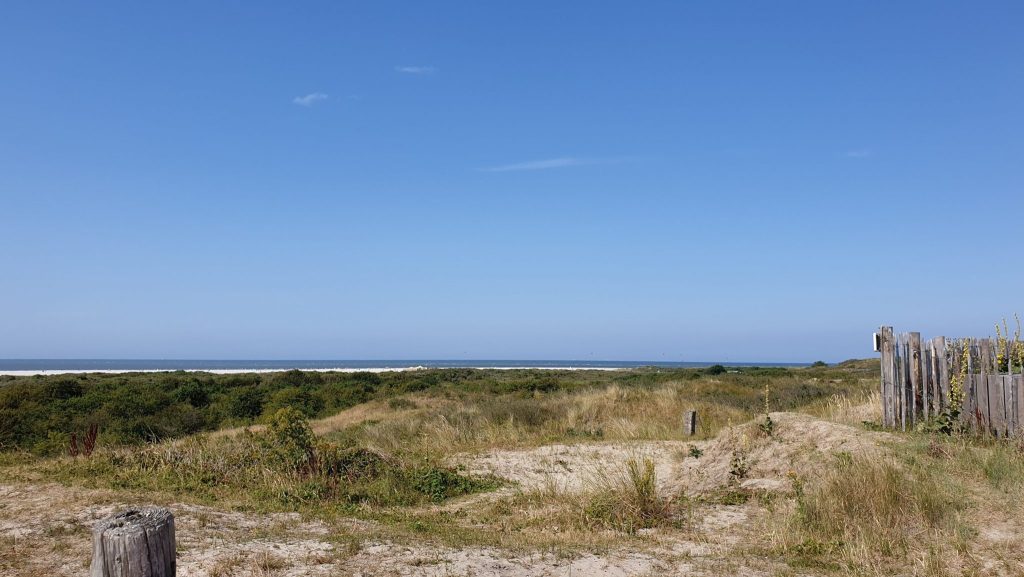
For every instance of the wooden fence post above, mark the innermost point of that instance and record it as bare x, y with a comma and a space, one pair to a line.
1018, 402
903, 376
984, 402
970, 390
888, 377
690, 423
916, 382
134, 543
997, 412
942, 355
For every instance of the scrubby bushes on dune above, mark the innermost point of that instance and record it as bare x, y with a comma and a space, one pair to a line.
283, 465
40, 413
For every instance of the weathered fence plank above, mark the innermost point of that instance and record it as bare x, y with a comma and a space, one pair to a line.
916, 382
983, 409
1018, 395
926, 379
943, 361
690, 422
997, 413
888, 376
904, 378
1009, 411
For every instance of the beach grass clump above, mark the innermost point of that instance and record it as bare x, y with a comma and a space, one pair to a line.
996, 463
609, 505
627, 501
866, 511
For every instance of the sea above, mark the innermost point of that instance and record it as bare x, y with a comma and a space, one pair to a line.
127, 365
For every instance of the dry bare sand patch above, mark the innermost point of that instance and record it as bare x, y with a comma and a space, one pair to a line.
800, 444
51, 523
47, 531
571, 467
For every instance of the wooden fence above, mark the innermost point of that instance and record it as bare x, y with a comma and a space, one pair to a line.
921, 379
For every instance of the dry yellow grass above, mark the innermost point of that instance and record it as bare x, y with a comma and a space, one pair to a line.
478, 422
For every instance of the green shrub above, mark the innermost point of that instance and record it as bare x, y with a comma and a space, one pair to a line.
55, 444
440, 483
350, 464
246, 403
296, 398
714, 370
194, 393
290, 440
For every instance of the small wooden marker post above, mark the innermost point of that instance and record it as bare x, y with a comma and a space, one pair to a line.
690, 423
134, 543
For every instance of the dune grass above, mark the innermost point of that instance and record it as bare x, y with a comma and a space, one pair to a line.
866, 511
919, 510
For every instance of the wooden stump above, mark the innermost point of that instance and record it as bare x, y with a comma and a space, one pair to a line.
134, 543
690, 423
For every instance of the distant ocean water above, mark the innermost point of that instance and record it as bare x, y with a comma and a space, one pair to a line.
349, 365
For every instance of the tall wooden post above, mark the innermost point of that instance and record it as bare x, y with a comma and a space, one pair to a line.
888, 377
970, 390
984, 353
916, 382
134, 543
690, 423
942, 358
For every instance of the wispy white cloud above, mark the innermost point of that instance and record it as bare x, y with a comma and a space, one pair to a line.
858, 153
310, 99
416, 69
547, 164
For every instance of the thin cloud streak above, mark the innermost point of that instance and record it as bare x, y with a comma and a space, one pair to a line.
421, 70
310, 99
547, 164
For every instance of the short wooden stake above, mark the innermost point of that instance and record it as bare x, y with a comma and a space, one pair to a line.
690, 423
134, 543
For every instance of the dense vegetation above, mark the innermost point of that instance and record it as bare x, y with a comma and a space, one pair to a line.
41, 413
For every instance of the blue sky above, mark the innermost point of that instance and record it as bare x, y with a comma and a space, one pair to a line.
593, 180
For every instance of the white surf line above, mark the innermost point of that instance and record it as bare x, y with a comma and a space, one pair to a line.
32, 373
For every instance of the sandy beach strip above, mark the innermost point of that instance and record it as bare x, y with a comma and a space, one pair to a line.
34, 372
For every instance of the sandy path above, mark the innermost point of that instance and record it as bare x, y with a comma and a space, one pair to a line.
45, 531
